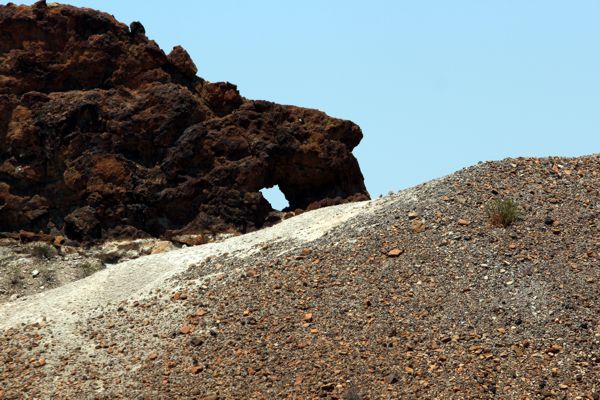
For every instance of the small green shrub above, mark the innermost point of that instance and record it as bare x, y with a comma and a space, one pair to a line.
87, 268
48, 277
15, 276
502, 212
43, 251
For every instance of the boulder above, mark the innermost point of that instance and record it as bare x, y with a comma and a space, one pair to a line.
103, 135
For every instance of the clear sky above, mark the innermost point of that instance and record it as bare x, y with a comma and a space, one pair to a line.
436, 85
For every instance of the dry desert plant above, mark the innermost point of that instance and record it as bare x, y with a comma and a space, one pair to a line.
502, 212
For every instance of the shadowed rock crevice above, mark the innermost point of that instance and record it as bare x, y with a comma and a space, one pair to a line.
104, 135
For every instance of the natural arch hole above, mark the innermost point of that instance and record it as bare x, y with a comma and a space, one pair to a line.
275, 197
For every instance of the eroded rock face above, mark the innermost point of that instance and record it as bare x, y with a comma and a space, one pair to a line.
104, 135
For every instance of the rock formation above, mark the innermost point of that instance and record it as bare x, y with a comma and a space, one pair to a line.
104, 135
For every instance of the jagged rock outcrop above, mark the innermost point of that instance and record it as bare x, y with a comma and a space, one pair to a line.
104, 135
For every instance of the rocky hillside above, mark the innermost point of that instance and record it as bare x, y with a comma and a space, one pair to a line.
415, 296
103, 135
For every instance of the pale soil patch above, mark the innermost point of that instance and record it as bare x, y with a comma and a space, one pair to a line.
131, 279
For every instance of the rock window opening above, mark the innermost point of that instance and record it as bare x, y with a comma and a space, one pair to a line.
275, 197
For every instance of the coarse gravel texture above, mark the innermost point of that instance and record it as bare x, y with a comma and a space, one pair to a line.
412, 296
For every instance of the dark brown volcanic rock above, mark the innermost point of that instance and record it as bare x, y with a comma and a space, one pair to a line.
104, 135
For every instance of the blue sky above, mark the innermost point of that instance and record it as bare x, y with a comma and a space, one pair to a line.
435, 85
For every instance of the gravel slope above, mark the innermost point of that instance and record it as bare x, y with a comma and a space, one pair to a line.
320, 306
